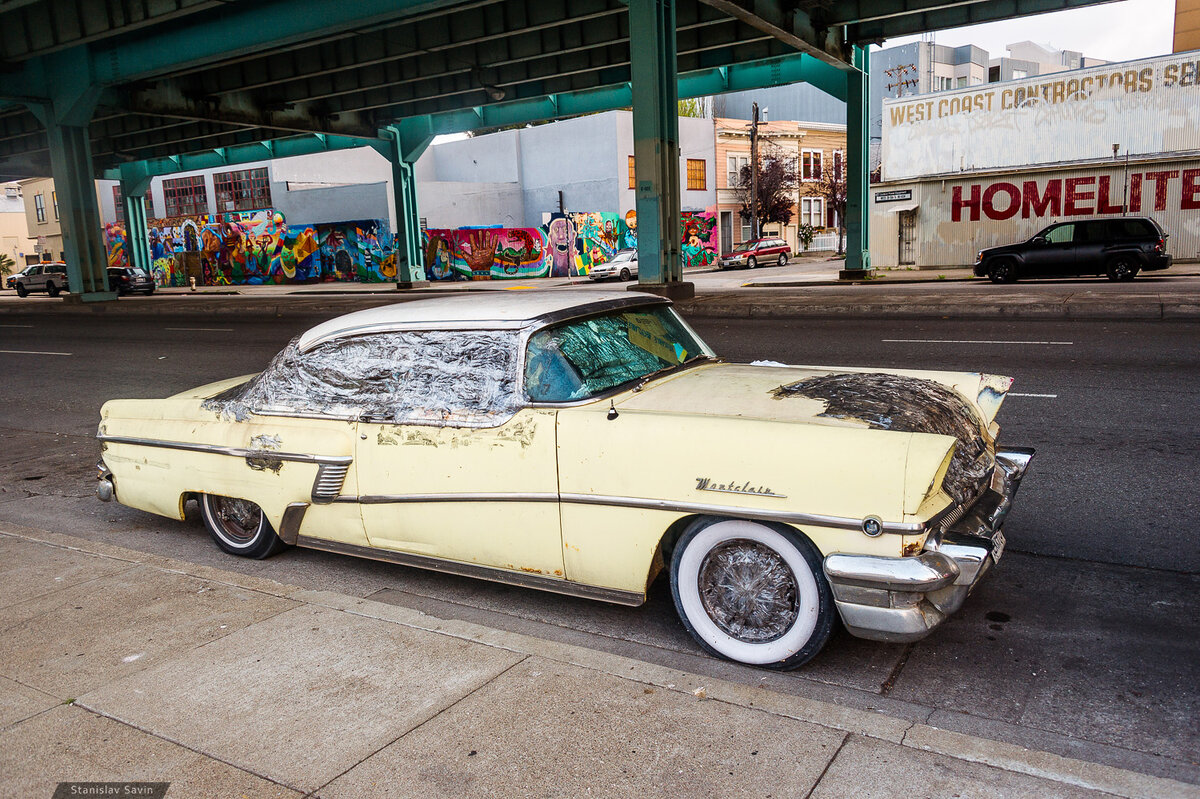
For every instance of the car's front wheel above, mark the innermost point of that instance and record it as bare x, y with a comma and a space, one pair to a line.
1003, 270
22, 291
625, 275
239, 526
752, 593
1123, 267
751, 262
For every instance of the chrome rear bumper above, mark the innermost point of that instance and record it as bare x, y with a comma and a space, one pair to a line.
904, 599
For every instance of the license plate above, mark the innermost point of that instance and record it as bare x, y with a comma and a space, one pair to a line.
997, 545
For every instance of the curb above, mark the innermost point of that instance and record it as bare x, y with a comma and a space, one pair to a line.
713, 306
1009, 757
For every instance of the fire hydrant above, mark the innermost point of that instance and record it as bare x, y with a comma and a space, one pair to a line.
192, 280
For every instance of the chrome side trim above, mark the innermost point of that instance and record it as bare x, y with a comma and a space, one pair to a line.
289, 526
814, 519
556, 585
328, 482
396, 499
236, 452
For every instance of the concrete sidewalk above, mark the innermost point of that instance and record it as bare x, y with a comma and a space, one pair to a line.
118, 665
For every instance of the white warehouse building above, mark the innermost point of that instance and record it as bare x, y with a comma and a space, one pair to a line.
994, 164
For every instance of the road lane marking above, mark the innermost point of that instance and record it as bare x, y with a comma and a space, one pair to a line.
32, 352
1046, 396
966, 341
203, 329
16, 325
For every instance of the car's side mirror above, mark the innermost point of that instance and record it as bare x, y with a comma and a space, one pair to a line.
1038, 240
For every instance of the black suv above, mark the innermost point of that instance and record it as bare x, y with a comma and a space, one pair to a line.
128, 279
1119, 248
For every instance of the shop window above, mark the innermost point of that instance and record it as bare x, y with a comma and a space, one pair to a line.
186, 196
247, 190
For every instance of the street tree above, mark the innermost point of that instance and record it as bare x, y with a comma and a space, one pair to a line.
832, 189
778, 177
6, 264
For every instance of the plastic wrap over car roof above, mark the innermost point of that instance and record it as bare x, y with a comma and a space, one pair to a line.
443, 377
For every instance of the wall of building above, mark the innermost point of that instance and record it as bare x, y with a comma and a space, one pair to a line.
1187, 25
14, 228
1007, 125
794, 101
444, 204
958, 217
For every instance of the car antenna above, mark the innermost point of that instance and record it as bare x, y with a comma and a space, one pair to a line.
612, 410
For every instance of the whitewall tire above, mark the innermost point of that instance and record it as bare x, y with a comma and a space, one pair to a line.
239, 526
752, 593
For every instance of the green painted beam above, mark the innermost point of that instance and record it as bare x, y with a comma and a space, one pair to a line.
858, 164
873, 22
240, 154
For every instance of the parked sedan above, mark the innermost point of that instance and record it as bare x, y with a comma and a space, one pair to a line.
1119, 248
585, 447
128, 279
623, 267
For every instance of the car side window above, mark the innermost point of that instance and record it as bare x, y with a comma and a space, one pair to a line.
449, 378
1063, 234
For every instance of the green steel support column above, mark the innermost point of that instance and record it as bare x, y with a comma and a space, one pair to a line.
407, 142
137, 234
78, 209
858, 167
656, 146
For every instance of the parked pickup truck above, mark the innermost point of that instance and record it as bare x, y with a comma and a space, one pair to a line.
50, 277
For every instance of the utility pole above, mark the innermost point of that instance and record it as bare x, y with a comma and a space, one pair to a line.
754, 172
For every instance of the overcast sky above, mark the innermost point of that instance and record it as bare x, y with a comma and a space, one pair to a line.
1113, 31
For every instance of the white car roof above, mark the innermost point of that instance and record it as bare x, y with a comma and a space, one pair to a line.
491, 310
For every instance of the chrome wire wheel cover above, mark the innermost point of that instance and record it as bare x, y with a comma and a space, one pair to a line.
239, 519
749, 591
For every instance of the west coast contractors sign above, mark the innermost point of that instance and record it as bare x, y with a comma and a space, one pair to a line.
1146, 107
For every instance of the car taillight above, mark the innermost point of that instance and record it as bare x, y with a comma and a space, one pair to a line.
1162, 245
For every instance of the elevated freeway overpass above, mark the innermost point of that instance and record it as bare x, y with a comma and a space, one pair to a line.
133, 89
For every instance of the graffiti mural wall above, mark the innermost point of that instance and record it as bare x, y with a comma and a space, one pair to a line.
484, 254
699, 237
258, 247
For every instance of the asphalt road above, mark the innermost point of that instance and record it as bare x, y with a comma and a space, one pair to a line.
1084, 641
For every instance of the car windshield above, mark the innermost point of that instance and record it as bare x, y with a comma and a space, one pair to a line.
744, 246
583, 358
625, 255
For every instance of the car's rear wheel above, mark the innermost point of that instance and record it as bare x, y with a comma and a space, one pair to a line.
752, 593
751, 262
625, 275
783, 259
1123, 267
22, 291
51, 289
1003, 270
239, 526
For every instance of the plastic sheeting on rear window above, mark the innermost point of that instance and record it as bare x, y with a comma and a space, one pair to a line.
438, 377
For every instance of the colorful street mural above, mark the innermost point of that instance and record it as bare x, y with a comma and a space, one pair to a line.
484, 254
258, 247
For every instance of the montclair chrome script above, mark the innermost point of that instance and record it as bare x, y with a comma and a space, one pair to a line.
706, 484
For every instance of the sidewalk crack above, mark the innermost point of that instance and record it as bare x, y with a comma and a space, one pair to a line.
406, 733
824, 771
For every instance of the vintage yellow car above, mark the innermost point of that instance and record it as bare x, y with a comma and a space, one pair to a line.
584, 446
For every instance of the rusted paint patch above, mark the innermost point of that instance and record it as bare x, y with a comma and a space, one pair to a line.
419, 438
265, 462
386, 439
911, 548
907, 405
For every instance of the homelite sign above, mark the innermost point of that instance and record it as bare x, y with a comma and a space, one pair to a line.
1077, 196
